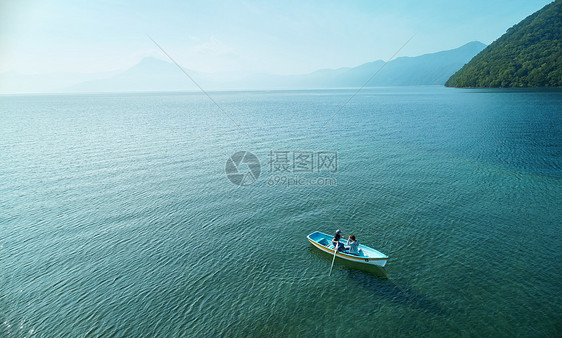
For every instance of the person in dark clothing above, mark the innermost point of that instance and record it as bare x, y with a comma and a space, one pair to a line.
336, 241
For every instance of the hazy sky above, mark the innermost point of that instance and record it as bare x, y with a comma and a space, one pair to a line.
280, 37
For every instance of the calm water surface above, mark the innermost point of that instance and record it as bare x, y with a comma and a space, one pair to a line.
116, 217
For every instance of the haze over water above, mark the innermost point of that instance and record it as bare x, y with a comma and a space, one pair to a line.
117, 218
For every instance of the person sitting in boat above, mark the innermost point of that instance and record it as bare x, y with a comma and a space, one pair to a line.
336, 241
353, 245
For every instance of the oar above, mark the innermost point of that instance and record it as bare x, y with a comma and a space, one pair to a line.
333, 259
335, 250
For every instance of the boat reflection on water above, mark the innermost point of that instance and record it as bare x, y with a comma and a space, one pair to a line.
362, 276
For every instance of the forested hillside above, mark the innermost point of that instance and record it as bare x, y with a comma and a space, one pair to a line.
529, 54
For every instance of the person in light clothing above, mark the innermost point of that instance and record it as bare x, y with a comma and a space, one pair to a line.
353, 245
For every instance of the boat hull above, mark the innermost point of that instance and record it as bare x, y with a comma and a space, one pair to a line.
363, 259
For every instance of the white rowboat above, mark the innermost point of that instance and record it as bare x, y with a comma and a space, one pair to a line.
366, 254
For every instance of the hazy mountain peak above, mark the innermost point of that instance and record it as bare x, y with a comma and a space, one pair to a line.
152, 64
474, 43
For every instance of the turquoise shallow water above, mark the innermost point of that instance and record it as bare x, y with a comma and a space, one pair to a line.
117, 218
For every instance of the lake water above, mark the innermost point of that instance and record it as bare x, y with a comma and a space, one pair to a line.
117, 218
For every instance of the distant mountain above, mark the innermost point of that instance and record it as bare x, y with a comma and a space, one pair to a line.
529, 54
156, 75
150, 74
153, 74
427, 69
